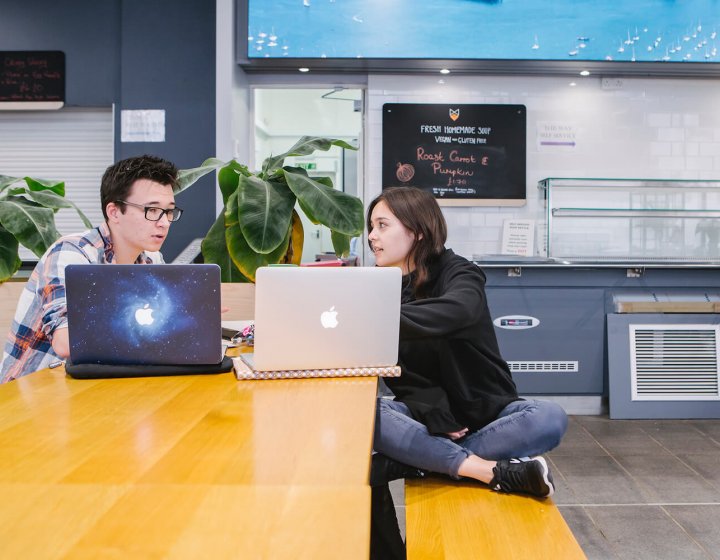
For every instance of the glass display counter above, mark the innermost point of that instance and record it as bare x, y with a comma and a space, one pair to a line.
633, 221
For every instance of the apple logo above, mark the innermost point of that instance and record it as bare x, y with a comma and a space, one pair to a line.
329, 318
144, 315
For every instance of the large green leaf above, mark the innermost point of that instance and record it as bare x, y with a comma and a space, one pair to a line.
335, 209
308, 211
231, 210
32, 225
264, 213
341, 243
6, 181
187, 177
239, 167
58, 187
9, 260
260, 225
322, 180
303, 147
214, 250
228, 180
16, 191
51, 200
247, 260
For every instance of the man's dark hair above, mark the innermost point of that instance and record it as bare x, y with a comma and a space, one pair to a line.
119, 178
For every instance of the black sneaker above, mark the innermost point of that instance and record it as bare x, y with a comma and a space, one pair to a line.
383, 469
528, 476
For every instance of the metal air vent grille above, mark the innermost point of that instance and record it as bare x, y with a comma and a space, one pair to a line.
674, 362
544, 366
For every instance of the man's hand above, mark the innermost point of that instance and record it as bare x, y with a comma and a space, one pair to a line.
61, 343
458, 434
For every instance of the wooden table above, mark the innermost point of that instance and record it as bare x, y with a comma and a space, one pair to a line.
185, 467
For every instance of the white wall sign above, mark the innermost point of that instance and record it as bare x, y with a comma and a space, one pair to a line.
555, 135
518, 238
142, 126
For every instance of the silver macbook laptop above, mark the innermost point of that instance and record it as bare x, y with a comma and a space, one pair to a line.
325, 318
144, 314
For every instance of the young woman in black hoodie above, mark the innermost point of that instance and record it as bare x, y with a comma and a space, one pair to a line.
456, 409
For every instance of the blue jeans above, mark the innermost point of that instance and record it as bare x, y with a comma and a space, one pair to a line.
522, 429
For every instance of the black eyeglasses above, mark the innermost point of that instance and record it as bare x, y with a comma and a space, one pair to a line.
155, 214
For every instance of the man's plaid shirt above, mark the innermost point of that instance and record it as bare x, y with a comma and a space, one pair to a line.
42, 307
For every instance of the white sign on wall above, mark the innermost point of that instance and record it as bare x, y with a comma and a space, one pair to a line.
142, 125
556, 135
518, 238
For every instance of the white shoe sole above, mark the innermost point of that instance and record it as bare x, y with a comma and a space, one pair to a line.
545, 475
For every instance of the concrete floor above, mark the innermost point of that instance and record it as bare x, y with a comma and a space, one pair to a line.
636, 489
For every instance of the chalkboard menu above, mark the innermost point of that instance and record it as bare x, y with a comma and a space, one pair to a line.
463, 154
30, 76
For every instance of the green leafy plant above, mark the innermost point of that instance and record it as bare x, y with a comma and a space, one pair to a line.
259, 224
27, 217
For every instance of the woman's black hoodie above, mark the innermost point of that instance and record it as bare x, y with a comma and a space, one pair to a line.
452, 373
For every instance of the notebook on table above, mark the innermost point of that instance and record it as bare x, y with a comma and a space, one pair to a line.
311, 319
144, 315
243, 371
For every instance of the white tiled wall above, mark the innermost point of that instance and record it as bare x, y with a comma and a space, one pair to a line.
651, 128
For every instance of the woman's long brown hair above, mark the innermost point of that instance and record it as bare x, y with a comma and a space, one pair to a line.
419, 212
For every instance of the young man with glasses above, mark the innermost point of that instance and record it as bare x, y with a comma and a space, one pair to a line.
138, 204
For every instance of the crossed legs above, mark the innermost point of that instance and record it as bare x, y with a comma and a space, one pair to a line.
522, 429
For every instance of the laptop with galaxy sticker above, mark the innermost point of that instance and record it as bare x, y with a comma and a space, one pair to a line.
144, 314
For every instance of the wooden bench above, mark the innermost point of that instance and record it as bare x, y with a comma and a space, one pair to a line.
457, 520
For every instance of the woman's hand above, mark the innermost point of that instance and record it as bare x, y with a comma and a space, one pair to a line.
458, 434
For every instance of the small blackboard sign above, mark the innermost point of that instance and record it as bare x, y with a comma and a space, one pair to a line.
30, 76
463, 154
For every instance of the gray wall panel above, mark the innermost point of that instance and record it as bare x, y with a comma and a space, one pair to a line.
86, 30
136, 54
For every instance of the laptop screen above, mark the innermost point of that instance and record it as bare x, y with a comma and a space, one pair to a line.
324, 318
144, 314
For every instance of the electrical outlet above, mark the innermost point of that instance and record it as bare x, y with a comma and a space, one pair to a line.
612, 83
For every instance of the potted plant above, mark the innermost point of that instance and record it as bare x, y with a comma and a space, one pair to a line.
259, 224
27, 217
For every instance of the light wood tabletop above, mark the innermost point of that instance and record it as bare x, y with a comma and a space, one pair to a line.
185, 467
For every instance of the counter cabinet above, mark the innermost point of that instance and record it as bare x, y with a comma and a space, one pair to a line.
551, 321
